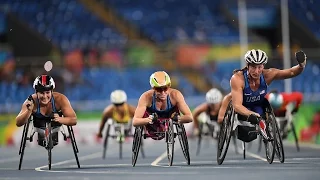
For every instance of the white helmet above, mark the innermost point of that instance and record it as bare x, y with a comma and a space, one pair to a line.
213, 96
118, 97
256, 57
275, 100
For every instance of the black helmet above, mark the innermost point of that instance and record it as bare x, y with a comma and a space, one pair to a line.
44, 83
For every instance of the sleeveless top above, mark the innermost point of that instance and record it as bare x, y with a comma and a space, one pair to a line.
39, 120
254, 98
116, 116
166, 113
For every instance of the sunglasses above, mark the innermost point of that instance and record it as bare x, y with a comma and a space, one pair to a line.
120, 104
161, 89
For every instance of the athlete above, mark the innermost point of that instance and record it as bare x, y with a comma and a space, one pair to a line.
162, 100
250, 85
119, 111
280, 100
209, 109
45, 104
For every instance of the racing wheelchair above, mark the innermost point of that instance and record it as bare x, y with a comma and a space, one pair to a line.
207, 127
47, 131
162, 128
248, 132
121, 131
286, 125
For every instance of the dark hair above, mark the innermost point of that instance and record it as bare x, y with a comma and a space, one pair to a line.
237, 70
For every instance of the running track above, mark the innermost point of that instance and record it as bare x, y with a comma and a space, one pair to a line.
298, 165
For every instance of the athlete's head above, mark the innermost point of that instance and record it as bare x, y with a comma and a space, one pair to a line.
213, 96
255, 59
160, 82
275, 99
43, 85
118, 97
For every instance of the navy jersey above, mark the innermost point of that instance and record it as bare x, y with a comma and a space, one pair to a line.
253, 100
39, 119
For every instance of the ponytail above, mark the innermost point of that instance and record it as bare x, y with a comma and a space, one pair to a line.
237, 70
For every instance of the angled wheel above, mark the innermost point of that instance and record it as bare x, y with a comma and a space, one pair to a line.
170, 141
74, 144
23, 141
199, 138
278, 141
270, 145
49, 145
293, 129
183, 139
137, 137
225, 133
105, 143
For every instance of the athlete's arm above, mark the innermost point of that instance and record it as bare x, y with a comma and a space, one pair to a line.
24, 113
106, 114
237, 96
223, 107
69, 116
197, 111
138, 119
184, 108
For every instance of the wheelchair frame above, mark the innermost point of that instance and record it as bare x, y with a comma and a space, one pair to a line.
119, 130
213, 126
228, 128
168, 134
47, 132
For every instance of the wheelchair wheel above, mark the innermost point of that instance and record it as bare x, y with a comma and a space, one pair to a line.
23, 142
260, 144
74, 144
170, 141
199, 138
105, 143
142, 151
183, 139
244, 149
270, 145
225, 134
137, 137
49, 142
278, 142
293, 129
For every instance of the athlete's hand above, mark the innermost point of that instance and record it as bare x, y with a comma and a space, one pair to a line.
301, 57
99, 135
30, 103
57, 118
150, 119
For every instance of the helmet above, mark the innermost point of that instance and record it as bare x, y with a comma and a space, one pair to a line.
256, 57
118, 97
213, 96
160, 79
44, 83
275, 100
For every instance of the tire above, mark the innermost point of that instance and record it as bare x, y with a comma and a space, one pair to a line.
137, 137
74, 144
293, 129
225, 134
23, 142
183, 139
105, 143
170, 141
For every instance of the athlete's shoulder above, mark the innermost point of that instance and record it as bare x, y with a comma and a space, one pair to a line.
59, 97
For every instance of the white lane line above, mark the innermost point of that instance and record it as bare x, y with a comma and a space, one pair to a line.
156, 161
83, 158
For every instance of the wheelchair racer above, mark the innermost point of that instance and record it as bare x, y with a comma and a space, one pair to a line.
119, 111
250, 84
208, 109
284, 105
162, 100
44, 104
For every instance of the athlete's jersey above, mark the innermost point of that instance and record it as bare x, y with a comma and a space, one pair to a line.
212, 117
39, 119
116, 116
162, 114
253, 100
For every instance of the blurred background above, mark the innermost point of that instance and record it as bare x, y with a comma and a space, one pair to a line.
97, 46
